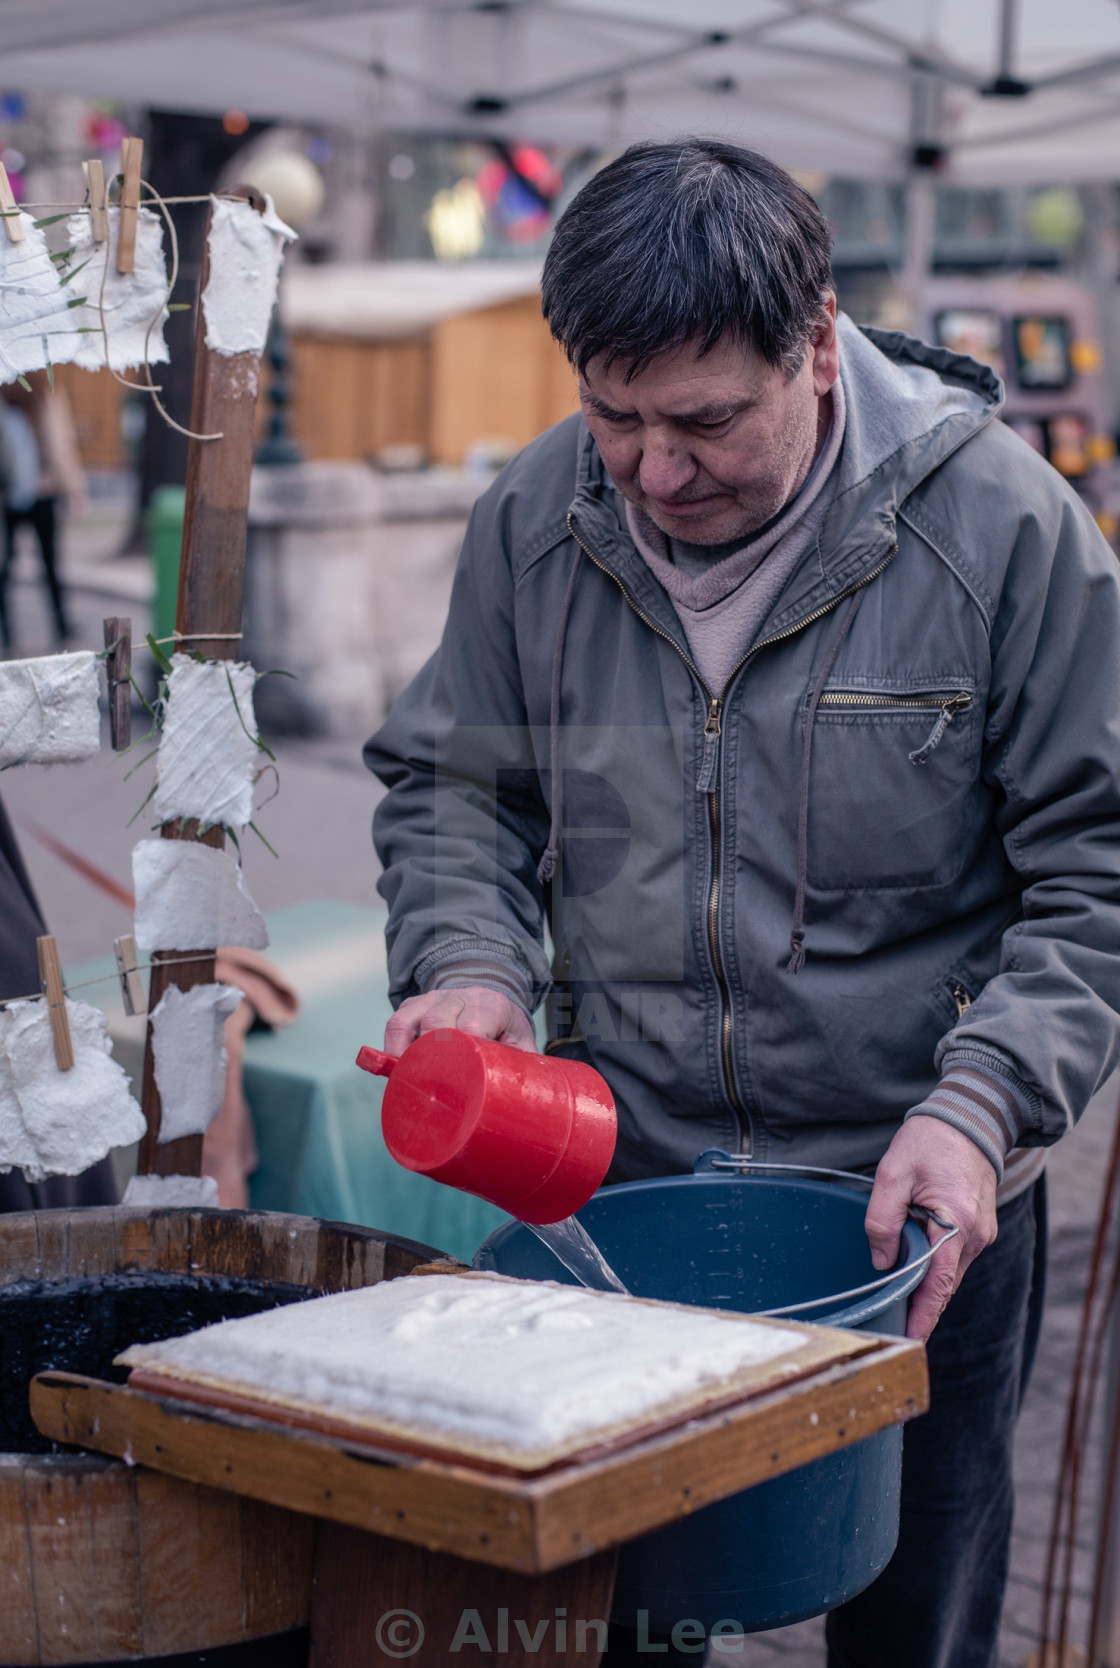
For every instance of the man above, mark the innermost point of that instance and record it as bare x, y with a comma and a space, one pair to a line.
795, 673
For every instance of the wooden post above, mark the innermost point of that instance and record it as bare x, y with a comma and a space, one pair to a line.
376, 1600
211, 586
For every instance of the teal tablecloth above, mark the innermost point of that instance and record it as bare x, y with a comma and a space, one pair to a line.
316, 1116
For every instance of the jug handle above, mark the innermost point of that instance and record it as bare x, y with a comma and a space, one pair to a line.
373, 1060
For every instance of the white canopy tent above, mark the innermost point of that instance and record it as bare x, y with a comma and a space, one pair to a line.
998, 90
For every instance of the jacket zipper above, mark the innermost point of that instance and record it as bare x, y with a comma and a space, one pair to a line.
948, 706
862, 698
712, 733
962, 999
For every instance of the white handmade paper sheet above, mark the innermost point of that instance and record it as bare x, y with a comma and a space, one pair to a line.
159, 1192
189, 1049
246, 254
17, 1150
515, 1363
191, 897
124, 312
58, 1123
37, 324
48, 709
208, 758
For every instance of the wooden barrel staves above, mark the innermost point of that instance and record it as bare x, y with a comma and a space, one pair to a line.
103, 1562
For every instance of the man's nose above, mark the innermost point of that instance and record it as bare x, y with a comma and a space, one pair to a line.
666, 467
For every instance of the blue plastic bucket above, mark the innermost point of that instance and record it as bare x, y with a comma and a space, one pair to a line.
809, 1540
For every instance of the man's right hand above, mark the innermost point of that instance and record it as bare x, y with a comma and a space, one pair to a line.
481, 1012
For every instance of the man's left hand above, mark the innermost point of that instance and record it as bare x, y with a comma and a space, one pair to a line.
932, 1164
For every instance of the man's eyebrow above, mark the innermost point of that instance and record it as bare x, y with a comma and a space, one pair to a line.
716, 413
601, 406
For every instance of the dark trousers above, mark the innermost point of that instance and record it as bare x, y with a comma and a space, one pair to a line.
42, 518
938, 1602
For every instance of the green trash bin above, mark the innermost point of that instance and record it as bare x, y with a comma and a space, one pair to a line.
164, 526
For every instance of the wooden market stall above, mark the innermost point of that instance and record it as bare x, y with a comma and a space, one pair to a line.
412, 352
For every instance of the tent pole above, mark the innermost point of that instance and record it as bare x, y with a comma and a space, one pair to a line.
1008, 18
926, 155
920, 207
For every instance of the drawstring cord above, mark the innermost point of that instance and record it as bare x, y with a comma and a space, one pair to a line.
546, 868
797, 936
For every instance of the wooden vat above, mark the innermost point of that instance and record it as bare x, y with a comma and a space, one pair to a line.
106, 1562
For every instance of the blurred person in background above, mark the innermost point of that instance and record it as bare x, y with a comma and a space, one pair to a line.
45, 476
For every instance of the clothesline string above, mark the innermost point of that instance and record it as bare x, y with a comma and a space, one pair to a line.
76, 208
170, 961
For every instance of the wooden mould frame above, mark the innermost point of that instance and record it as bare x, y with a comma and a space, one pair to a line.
530, 1525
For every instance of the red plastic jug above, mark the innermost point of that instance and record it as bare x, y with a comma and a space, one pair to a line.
532, 1134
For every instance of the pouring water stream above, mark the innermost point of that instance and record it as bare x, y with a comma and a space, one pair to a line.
570, 1242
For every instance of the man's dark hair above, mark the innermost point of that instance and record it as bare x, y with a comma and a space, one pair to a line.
690, 241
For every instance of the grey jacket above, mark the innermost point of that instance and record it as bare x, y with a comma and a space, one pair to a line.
921, 786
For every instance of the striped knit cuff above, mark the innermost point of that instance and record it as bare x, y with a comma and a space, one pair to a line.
991, 1110
491, 972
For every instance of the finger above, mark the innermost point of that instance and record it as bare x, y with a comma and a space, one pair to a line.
928, 1303
445, 1013
974, 1237
518, 1030
886, 1213
420, 1013
403, 1028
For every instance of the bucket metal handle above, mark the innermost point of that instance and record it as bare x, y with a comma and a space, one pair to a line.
744, 1165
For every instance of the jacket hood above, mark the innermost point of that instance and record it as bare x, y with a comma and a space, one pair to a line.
909, 407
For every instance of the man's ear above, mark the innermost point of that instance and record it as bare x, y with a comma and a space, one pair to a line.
825, 348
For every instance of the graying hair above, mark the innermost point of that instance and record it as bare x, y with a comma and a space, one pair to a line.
690, 241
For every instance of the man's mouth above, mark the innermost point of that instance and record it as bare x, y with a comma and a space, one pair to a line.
688, 509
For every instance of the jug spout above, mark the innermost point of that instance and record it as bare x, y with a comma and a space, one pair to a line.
373, 1060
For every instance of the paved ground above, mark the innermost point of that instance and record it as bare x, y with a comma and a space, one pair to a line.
319, 824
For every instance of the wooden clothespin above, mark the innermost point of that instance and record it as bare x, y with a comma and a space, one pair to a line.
132, 990
118, 665
9, 208
50, 973
93, 172
132, 156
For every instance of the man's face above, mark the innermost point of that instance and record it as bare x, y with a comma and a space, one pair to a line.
711, 446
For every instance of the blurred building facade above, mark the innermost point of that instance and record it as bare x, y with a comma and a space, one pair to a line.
476, 373
413, 348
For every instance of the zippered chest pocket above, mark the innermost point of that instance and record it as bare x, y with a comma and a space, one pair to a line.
895, 797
